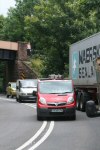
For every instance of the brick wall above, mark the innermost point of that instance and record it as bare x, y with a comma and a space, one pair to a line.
18, 69
22, 51
23, 71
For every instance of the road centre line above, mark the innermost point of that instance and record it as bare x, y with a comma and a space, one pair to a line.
37, 134
44, 137
34, 137
6, 99
13, 100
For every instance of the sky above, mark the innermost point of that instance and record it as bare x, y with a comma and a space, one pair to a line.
5, 5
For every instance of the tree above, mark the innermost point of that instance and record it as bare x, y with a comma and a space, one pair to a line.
51, 26
2, 23
15, 22
55, 25
91, 9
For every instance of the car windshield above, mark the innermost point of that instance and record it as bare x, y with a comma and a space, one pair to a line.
13, 85
56, 87
28, 83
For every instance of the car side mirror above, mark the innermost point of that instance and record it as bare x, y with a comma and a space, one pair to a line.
35, 93
9, 85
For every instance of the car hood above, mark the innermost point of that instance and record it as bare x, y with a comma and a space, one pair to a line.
14, 89
56, 97
28, 90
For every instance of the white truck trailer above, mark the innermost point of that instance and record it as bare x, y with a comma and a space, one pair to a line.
84, 63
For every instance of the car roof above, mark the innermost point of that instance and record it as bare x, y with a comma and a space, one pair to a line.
26, 79
11, 82
53, 80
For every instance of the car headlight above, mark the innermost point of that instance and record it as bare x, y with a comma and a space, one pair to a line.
42, 100
70, 100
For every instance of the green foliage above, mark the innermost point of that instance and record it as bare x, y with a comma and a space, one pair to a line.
57, 24
37, 65
51, 26
15, 22
91, 10
2, 23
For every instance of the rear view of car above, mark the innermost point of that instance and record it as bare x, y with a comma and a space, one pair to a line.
11, 89
56, 98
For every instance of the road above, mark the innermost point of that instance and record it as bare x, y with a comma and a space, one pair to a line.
20, 130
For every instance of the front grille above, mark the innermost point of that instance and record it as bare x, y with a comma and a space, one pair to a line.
56, 103
30, 94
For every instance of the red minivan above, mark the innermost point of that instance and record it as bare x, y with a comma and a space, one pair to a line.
56, 98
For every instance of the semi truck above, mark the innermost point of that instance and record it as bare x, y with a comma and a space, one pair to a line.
84, 70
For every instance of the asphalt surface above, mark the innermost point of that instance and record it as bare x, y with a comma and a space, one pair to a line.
18, 124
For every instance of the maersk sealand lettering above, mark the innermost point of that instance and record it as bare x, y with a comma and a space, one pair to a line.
87, 56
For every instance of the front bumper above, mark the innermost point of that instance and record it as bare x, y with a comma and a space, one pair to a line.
49, 112
28, 98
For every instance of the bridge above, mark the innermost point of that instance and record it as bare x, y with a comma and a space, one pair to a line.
14, 55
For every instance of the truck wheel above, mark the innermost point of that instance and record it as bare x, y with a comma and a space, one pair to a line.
90, 109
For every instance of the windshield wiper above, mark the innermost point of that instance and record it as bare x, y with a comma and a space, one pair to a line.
64, 93
52, 93
28, 87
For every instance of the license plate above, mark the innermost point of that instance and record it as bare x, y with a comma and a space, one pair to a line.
56, 110
31, 97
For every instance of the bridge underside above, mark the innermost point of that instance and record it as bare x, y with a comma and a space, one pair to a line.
13, 56
7, 54
7, 72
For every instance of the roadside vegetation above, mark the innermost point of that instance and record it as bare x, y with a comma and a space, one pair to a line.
50, 26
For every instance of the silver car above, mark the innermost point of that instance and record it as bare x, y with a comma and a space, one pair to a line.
26, 90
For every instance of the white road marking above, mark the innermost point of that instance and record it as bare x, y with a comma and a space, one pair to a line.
37, 133
44, 137
6, 99
34, 137
31, 105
